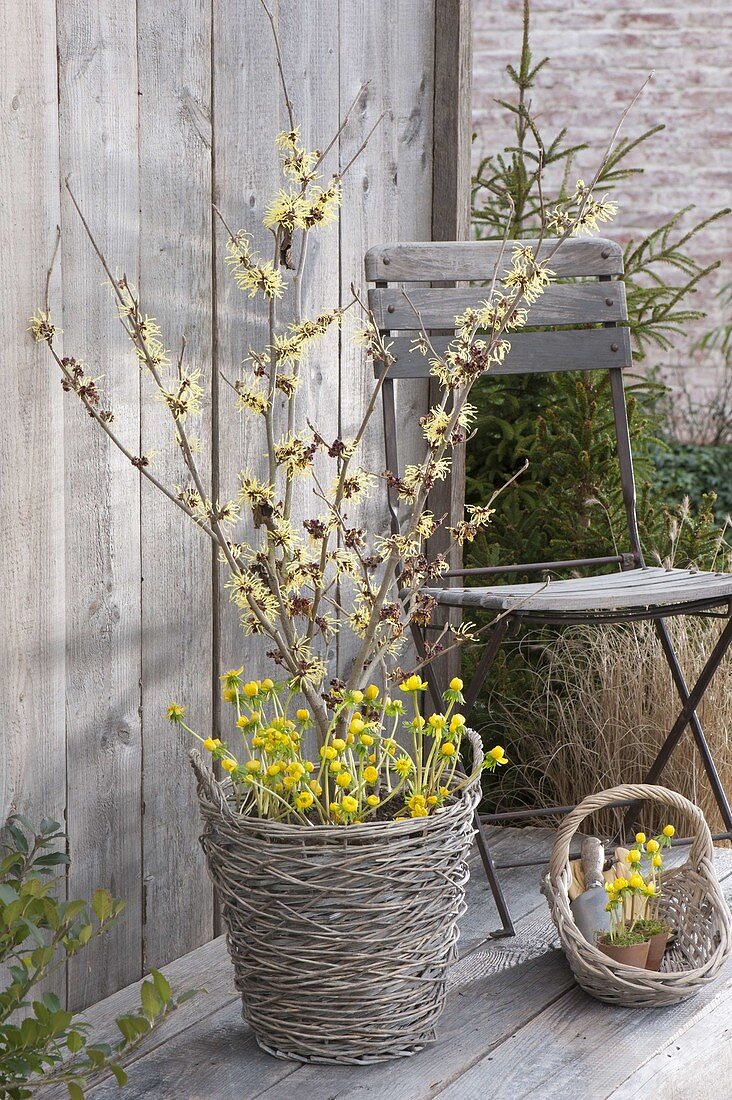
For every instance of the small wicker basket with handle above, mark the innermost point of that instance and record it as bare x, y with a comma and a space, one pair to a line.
691, 903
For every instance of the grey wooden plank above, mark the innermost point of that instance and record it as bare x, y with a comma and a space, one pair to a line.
246, 174
174, 56
369, 215
32, 561
32, 779
453, 128
412, 103
455, 260
531, 352
437, 307
97, 51
311, 49
414, 95
695, 1062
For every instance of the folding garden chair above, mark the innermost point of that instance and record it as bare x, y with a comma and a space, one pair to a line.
582, 316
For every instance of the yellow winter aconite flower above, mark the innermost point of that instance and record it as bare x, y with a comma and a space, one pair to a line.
371, 693
498, 754
668, 830
251, 689
372, 800
652, 846
457, 722
636, 881
634, 857
456, 684
211, 743
349, 804
344, 779
175, 712
657, 861
253, 765
413, 683
448, 749
370, 774
304, 800
640, 838
302, 715
403, 766
229, 765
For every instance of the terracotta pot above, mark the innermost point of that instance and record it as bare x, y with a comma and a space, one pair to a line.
656, 949
635, 955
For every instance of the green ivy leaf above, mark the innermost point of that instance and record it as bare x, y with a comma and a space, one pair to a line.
151, 1003
162, 985
102, 902
74, 1042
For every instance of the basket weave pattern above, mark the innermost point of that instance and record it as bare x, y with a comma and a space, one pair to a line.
341, 936
691, 902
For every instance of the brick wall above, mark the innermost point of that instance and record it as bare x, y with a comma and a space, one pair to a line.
600, 55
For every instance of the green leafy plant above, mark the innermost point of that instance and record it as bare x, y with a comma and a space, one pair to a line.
41, 1042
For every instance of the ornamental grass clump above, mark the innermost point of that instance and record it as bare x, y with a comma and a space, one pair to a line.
300, 582
382, 757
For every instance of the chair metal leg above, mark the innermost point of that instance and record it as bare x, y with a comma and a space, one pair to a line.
489, 867
688, 716
696, 726
490, 653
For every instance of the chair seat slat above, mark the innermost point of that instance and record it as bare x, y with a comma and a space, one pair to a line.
647, 587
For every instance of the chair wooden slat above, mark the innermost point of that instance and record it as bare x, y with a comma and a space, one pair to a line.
639, 588
456, 261
531, 353
560, 304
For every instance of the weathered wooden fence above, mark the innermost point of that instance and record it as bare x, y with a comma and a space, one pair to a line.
112, 605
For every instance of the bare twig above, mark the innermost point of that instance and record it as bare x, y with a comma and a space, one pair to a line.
364, 143
280, 66
49, 273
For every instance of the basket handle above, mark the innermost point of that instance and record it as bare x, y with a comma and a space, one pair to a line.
702, 847
476, 745
207, 785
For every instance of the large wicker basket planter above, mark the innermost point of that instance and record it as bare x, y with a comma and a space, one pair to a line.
691, 902
341, 937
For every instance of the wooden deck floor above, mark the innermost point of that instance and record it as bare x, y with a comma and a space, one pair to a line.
526, 1032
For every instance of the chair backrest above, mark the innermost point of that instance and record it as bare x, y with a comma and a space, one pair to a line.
581, 316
